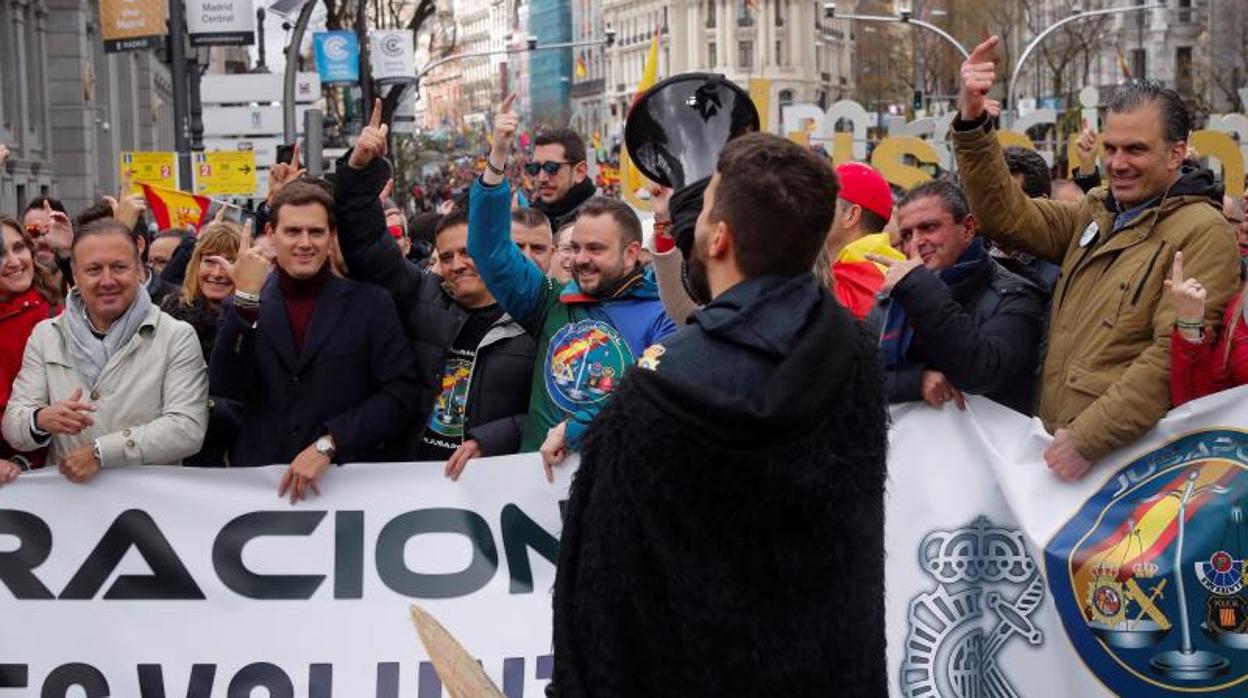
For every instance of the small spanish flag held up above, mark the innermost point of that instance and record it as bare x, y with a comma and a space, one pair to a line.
581, 71
856, 278
176, 209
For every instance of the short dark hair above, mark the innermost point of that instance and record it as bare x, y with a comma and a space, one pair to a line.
1037, 182
573, 144
872, 222
950, 195
424, 226
620, 212
300, 193
103, 226
37, 202
1176, 120
778, 199
531, 218
96, 211
456, 217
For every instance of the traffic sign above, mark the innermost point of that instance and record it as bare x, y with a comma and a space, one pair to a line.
225, 173
156, 168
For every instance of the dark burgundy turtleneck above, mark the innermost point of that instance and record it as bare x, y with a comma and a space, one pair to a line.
300, 296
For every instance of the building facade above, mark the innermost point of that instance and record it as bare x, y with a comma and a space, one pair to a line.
67, 109
801, 56
590, 112
550, 72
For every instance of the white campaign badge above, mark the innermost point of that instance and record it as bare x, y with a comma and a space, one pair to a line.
1089, 234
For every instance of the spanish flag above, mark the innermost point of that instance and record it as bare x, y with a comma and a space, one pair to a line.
1122, 65
581, 71
650, 70
176, 209
857, 279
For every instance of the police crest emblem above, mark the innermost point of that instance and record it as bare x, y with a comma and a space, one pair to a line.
1148, 577
981, 570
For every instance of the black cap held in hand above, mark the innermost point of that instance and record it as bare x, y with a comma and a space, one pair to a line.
685, 205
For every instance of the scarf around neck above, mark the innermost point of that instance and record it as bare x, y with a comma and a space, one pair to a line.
90, 354
898, 335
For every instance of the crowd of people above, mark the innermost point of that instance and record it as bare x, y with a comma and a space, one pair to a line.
329, 329
339, 331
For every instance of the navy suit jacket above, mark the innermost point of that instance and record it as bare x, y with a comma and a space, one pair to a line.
354, 378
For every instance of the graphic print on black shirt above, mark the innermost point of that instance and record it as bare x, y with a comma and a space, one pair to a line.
445, 431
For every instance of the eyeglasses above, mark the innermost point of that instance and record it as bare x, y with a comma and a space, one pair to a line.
550, 167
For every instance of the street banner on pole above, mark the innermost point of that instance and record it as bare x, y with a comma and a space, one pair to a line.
337, 57
156, 168
132, 25
392, 54
221, 22
225, 173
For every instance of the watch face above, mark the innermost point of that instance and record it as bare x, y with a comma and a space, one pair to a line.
323, 445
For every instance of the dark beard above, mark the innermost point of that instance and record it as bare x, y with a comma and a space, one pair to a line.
696, 281
609, 287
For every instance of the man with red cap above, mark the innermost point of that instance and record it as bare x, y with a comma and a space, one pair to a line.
863, 207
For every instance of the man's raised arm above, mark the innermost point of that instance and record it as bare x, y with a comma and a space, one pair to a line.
1040, 227
513, 279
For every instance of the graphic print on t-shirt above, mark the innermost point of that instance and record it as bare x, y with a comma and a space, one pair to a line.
584, 363
447, 418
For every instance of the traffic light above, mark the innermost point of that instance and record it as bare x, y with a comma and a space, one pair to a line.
917, 102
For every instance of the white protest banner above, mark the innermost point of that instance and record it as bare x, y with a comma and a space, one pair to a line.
392, 55
1005, 581
220, 22
153, 582
1002, 580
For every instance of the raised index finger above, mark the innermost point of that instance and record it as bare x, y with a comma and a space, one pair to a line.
294, 156
983, 52
245, 243
375, 121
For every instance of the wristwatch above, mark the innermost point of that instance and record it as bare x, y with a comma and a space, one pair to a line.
325, 446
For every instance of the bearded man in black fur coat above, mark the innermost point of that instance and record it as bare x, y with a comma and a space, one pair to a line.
725, 532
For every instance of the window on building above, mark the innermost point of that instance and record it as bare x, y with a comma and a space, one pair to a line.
1140, 15
818, 58
780, 7
745, 54
780, 52
786, 98
1139, 63
711, 18
1185, 11
745, 15
712, 57
1183, 70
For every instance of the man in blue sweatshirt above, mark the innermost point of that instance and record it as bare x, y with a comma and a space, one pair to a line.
588, 332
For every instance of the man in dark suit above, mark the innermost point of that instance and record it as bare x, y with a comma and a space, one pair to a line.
320, 363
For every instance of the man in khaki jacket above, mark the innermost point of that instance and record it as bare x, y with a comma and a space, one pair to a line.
1106, 375
111, 381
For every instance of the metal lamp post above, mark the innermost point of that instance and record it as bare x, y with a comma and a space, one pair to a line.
1010, 103
903, 17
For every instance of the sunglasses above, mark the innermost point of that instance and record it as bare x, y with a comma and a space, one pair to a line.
550, 167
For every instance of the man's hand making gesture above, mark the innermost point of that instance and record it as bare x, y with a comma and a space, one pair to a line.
978, 74
283, 173
372, 142
505, 125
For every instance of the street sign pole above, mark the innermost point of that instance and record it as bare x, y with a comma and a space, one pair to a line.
181, 96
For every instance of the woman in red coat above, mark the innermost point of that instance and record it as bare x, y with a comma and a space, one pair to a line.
28, 295
1202, 361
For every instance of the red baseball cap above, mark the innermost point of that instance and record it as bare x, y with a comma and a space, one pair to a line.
864, 185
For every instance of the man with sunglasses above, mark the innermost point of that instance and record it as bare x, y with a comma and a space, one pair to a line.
562, 175
590, 331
